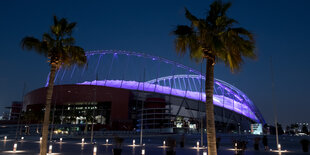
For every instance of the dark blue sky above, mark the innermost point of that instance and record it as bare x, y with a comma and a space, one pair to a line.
281, 29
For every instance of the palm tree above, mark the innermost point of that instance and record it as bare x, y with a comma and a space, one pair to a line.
58, 46
214, 39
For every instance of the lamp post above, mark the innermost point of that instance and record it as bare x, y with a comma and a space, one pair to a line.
279, 147
15, 147
205, 152
95, 150
50, 148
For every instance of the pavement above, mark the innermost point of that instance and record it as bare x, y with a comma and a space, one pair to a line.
72, 145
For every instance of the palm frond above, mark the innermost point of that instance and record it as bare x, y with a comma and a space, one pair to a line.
63, 23
214, 12
47, 37
243, 33
68, 41
31, 43
55, 20
70, 27
215, 37
225, 7
192, 18
58, 45
74, 55
183, 30
184, 34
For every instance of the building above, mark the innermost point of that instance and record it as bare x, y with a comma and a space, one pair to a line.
15, 110
165, 103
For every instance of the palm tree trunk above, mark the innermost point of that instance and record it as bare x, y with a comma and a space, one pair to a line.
211, 135
49, 93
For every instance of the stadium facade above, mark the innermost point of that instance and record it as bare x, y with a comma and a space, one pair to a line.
157, 99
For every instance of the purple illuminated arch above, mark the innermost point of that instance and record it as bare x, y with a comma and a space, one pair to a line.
225, 95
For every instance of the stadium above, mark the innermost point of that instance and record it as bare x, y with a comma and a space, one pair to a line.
120, 90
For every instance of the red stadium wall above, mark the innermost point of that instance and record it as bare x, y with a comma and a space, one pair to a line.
68, 94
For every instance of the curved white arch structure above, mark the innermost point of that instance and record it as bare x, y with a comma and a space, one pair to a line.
187, 85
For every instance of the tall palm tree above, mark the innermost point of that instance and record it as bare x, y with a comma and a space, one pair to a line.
58, 46
214, 38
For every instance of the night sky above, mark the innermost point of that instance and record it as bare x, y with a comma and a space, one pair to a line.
281, 29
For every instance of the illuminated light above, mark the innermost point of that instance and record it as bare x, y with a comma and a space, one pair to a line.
40, 139
230, 103
22, 138
82, 140
164, 146
279, 151
143, 151
133, 142
107, 143
247, 108
279, 147
60, 139
5, 138
197, 145
14, 147
82, 146
204, 152
50, 148
95, 150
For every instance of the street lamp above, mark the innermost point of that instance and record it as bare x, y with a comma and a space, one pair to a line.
95, 150
50, 148
14, 147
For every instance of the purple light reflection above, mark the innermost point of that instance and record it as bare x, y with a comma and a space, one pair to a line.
148, 87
